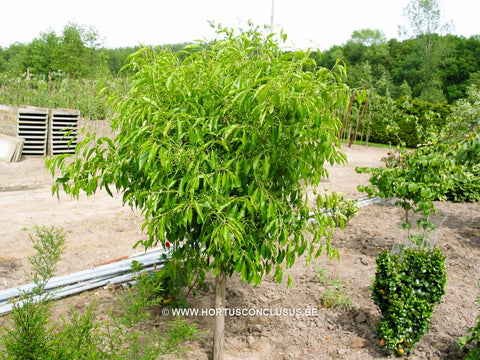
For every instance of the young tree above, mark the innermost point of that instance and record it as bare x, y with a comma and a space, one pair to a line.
217, 150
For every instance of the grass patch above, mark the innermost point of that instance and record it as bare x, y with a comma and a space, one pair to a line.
370, 144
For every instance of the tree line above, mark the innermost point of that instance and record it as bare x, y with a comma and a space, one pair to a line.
78, 52
397, 68
397, 93
391, 68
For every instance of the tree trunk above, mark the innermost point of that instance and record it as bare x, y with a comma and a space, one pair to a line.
344, 124
358, 123
350, 132
219, 325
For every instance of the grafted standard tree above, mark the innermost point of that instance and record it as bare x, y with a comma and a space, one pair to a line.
216, 146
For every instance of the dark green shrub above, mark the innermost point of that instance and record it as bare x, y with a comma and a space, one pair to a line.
404, 120
407, 124
429, 114
406, 288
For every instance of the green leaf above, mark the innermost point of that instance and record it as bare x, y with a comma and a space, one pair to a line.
142, 159
290, 281
198, 208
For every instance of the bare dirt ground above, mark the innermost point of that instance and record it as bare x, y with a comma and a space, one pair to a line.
100, 229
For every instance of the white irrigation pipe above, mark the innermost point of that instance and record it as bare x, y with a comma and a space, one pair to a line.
73, 289
115, 268
359, 203
65, 285
369, 201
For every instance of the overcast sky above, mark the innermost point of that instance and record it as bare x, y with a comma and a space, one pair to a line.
308, 23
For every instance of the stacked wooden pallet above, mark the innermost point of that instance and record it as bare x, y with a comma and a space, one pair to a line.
62, 136
33, 127
45, 131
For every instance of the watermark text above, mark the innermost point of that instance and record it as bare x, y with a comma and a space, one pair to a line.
251, 312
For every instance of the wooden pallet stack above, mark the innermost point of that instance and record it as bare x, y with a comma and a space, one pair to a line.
63, 131
35, 131
33, 127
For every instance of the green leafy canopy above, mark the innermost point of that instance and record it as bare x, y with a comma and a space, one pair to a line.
216, 145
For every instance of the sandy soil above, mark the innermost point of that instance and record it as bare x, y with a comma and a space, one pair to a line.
99, 229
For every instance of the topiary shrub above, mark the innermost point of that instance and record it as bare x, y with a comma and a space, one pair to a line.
406, 288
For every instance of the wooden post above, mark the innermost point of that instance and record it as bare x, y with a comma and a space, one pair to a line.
350, 131
28, 79
50, 84
219, 325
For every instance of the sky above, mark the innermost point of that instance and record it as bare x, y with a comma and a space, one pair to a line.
316, 24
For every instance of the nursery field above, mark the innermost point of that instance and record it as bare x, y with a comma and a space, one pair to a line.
100, 229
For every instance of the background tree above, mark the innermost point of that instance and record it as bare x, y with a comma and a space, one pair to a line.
369, 37
459, 61
217, 150
425, 21
15, 59
41, 53
77, 53
117, 58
